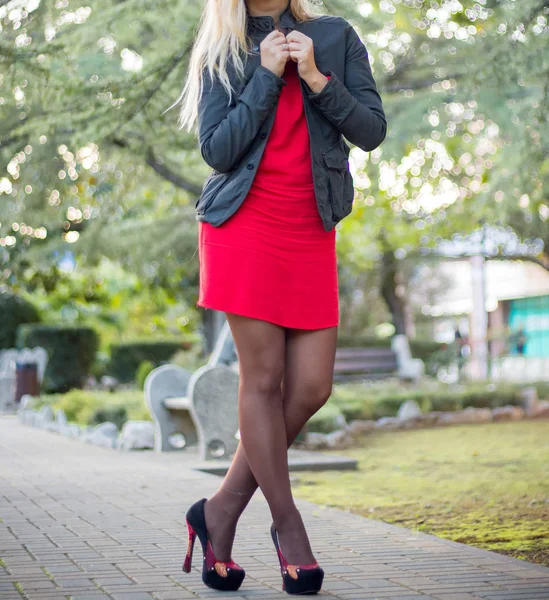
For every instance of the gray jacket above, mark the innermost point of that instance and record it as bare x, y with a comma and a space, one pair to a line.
232, 136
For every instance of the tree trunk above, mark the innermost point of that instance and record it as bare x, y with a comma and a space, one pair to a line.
390, 279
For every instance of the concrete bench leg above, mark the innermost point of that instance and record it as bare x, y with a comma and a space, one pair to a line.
214, 402
169, 381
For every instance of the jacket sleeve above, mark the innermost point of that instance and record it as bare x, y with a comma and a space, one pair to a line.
353, 106
226, 132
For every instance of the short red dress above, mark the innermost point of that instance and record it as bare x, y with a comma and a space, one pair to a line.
272, 259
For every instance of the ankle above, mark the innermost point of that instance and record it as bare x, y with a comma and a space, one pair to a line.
288, 519
227, 506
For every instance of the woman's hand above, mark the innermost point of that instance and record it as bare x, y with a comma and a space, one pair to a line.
275, 52
302, 52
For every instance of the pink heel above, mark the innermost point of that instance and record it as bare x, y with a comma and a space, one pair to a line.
298, 579
218, 575
189, 556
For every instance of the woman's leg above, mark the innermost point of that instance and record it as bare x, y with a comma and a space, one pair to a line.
307, 381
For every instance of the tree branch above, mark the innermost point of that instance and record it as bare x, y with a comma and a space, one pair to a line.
542, 261
169, 175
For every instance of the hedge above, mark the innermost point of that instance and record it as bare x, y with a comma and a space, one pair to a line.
127, 356
372, 402
14, 311
89, 407
71, 352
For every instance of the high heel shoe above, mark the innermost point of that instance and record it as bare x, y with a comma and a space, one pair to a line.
216, 574
298, 579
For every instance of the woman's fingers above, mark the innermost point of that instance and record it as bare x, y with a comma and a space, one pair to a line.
275, 52
274, 34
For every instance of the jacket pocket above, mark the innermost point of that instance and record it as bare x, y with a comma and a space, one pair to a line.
211, 187
337, 156
340, 180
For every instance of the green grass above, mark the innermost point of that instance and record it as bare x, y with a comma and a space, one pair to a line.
483, 485
48, 573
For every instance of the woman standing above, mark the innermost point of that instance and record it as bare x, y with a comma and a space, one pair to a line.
273, 87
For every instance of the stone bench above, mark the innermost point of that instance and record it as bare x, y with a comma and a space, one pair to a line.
197, 408
202, 407
358, 364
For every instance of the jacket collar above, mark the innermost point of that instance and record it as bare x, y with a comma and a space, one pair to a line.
266, 22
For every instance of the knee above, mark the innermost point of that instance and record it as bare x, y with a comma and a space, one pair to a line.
313, 394
263, 382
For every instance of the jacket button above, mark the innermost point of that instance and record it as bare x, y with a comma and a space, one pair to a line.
263, 136
255, 47
250, 166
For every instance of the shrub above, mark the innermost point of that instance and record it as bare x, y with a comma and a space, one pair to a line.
14, 311
383, 399
347, 340
71, 352
190, 359
84, 406
127, 356
142, 371
326, 419
115, 414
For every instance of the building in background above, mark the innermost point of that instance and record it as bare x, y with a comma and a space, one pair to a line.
517, 302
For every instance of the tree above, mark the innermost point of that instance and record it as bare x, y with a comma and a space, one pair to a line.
94, 163
451, 151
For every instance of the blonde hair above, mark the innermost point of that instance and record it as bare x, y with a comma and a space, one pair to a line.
221, 36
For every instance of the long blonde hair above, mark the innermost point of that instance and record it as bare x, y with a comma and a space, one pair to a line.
221, 36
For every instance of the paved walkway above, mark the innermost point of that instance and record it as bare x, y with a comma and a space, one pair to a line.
85, 523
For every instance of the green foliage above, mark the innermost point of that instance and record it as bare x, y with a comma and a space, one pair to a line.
190, 359
97, 167
326, 419
127, 356
115, 414
110, 299
71, 352
14, 311
372, 401
349, 340
145, 367
82, 406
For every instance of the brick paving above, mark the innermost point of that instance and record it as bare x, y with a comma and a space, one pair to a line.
79, 522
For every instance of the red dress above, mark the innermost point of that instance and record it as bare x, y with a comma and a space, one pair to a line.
272, 259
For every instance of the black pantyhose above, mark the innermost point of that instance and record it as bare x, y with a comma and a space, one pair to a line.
285, 377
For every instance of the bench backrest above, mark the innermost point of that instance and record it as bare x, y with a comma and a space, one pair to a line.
224, 352
353, 364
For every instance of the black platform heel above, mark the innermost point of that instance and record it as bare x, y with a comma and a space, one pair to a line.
298, 579
218, 575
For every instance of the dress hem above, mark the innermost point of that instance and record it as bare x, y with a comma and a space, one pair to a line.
268, 320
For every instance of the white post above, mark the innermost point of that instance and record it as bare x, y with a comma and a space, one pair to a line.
479, 320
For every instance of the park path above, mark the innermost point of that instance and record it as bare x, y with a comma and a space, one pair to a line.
86, 523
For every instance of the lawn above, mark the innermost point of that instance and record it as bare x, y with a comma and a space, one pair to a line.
483, 485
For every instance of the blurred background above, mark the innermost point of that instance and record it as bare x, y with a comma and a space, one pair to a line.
447, 244
97, 185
